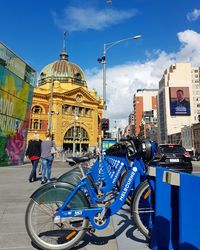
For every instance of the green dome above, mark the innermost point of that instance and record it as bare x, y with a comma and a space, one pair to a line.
62, 70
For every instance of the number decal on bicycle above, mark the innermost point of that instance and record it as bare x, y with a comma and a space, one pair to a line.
77, 213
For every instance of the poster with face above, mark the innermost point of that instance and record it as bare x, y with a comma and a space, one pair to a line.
179, 98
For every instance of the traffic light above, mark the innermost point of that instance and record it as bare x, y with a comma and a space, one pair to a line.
105, 124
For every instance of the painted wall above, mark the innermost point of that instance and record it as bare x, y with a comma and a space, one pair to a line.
15, 103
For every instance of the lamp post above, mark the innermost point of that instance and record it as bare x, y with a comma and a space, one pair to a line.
74, 132
102, 60
80, 137
50, 107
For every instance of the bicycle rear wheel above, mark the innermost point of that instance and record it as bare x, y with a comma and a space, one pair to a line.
143, 208
40, 213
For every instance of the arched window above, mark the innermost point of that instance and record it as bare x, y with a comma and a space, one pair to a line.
77, 76
36, 110
36, 121
66, 109
80, 134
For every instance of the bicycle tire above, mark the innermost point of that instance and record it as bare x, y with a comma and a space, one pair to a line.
143, 208
40, 225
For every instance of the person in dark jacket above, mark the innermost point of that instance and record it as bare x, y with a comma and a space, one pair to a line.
34, 152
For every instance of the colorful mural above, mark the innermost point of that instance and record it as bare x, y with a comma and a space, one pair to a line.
15, 103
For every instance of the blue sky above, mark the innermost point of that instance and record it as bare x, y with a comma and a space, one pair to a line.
170, 32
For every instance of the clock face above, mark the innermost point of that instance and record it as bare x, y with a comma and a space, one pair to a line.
79, 98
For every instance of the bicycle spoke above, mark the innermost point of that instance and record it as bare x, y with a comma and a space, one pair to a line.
44, 208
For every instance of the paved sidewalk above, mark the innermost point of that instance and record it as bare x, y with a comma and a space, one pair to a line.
14, 197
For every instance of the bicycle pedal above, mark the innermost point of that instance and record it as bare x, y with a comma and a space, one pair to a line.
91, 230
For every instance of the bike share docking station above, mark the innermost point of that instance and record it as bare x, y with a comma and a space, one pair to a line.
177, 210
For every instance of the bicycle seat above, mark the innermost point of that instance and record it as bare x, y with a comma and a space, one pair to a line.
74, 160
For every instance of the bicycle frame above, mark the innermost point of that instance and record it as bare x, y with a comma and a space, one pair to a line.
105, 175
103, 212
111, 173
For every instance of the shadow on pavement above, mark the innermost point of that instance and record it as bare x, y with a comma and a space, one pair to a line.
93, 239
127, 222
35, 246
103, 240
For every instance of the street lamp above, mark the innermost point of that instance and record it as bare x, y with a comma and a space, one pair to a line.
80, 137
74, 132
102, 60
50, 106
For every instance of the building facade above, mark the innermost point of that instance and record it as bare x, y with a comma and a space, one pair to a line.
187, 138
131, 123
63, 104
190, 136
178, 100
144, 110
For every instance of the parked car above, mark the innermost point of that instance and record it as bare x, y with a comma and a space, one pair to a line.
174, 157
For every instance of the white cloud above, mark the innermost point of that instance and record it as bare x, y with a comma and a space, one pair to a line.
193, 15
81, 19
190, 47
124, 80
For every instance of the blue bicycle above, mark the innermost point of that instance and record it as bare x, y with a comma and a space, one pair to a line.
104, 175
107, 175
59, 214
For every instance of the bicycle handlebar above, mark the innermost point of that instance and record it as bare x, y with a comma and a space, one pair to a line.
128, 139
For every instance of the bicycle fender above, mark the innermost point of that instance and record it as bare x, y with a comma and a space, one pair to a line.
58, 192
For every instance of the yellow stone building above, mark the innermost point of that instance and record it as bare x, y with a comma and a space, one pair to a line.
63, 104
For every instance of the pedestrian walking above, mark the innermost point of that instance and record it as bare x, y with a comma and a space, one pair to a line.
33, 152
47, 157
40, 167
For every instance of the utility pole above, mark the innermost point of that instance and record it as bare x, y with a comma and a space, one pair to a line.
74, 132
103, 59
80, 139
50, 107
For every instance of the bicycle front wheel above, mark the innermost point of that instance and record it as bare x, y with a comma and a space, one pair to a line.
40, 225
143, 208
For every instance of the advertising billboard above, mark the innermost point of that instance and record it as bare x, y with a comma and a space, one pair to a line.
15, 104
179, 98
16, 90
